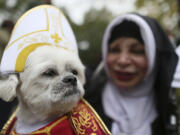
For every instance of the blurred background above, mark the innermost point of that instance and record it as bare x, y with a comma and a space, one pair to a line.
89, 19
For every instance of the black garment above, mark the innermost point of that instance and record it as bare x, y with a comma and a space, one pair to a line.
6, 108
165, 64
94, 96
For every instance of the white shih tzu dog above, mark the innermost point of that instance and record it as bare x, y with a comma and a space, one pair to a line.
50, 86
45, 73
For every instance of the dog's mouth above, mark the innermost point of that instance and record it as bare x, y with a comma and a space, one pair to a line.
64, 91
71, 92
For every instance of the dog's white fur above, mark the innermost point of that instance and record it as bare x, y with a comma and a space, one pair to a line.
42, 93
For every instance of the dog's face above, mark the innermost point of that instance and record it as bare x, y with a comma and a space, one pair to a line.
52, 82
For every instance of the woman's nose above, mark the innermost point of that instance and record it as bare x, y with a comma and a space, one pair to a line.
124, 59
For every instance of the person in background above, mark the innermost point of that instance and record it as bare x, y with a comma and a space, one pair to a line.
132, 94
176, 80
5, 31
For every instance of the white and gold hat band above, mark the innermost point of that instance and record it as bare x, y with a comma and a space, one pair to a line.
42, 25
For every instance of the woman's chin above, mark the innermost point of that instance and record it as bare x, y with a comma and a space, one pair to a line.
126, 84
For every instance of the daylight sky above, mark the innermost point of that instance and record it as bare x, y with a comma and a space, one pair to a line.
77, 8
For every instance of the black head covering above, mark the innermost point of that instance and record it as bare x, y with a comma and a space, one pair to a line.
125, 29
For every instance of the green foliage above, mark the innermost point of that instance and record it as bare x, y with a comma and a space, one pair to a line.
95, 22
2, 4
164, 11
139, 3
92, 31
18, 8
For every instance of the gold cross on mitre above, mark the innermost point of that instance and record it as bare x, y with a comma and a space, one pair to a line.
56, 37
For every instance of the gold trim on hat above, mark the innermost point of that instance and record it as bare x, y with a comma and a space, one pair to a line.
22, 56
21, 59
67, 41
28, 42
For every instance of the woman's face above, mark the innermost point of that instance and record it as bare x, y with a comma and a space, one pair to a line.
127, 62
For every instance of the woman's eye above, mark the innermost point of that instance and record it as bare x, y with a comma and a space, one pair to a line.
138, 51
50, 73
74, 72
113, 50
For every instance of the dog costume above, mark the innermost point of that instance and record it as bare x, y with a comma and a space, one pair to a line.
46, 25
82, 120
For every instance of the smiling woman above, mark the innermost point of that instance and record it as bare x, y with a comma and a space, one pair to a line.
133, 98
127, 62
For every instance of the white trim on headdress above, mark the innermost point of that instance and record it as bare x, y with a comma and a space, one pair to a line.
146, 33
132, 109
176, 80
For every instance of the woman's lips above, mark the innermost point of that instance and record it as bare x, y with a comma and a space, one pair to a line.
124, 76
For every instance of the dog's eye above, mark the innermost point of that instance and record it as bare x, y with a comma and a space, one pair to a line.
50, 73
74, 72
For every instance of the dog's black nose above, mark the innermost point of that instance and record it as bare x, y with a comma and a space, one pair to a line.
70, 80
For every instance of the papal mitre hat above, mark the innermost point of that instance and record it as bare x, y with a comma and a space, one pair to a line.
39, 26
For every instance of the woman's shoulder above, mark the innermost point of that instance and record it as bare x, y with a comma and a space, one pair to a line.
95, 84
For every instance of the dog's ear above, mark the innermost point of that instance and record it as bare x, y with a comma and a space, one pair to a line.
8, 87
